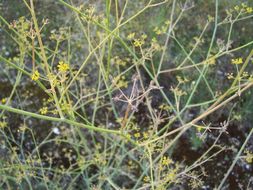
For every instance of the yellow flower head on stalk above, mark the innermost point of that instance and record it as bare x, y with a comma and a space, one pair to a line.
43, 110
166, 161
3, 124
4, 100
138, 42
249, 9
146, 179
131, 36
36, 75
249, 157
237, 61
63, 67
237, 8
137, 135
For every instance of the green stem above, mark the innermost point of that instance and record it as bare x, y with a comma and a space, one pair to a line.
49, 118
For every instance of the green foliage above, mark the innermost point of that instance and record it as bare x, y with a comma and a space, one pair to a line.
124, 94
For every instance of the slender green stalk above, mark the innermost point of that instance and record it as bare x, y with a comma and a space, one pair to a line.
55, 119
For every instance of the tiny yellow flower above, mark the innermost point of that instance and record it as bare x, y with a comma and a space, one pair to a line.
230, 75
245, 74
144, 36
137, 135
146, 179
3, 124
211, 61
138, 42
249, 9
210, 18
167, 22
158, 32
237, 8
131, 36
171, 176
43, 110
128, 136
166, 161
63, 67
145, 135
36, 75
249, 157
3, 101
237, 61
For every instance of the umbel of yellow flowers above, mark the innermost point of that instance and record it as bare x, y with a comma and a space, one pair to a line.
63, 67
36, 75
237, 61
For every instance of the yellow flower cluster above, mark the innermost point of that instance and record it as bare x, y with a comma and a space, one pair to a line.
211, 61
163, 28
4, 100
137, 135
120, 81
138, 42
44, 110
35, 76
178, 92
230, 76
146, 179
166, 161
131, 36
243, 8
249, 157
63, 67
237, 61
3, 124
